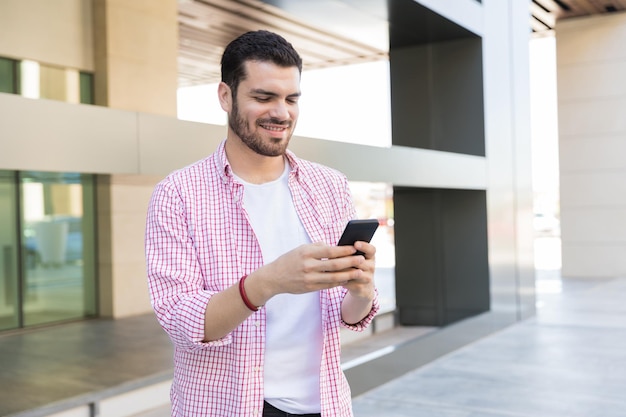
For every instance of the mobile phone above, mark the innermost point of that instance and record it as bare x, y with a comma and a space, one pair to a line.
362, 230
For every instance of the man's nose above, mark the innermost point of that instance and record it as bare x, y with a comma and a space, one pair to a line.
280, 110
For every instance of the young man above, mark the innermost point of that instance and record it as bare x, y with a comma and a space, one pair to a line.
243, 270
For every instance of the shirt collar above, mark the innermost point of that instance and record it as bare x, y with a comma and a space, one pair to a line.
226, 172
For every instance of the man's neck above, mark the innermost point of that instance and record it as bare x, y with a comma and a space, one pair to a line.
251, 166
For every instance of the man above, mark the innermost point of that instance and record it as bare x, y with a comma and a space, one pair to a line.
243, 268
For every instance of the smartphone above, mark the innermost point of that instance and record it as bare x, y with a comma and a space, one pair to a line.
362, 230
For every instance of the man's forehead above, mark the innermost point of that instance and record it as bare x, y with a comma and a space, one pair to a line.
270, 78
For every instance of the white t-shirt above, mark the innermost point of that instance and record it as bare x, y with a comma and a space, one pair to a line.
294, 323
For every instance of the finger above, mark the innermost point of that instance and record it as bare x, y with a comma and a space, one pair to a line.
334, 279
322, 250
368, 249
343, 263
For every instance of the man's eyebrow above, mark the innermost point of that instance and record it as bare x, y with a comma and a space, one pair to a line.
271, 93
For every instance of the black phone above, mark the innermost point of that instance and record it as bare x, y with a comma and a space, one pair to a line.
362, 230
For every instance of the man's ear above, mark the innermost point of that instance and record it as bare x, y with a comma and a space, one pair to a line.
225, 96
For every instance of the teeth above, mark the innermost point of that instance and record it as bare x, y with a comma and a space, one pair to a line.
276, 129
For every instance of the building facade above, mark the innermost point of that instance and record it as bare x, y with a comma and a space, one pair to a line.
83, 147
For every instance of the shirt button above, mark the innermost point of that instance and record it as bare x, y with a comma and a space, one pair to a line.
257, 323
256, 412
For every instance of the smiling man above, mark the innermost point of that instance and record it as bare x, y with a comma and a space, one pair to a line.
243, 268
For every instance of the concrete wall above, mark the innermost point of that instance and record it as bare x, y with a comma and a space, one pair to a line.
591, 64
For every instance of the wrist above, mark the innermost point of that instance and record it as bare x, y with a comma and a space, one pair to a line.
254, 291
363, 295
244, 295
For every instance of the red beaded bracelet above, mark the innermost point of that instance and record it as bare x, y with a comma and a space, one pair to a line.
244, 296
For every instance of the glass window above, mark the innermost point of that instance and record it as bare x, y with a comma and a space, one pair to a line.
29, 79
8, 76
9, 287
58, 237
55, 83
86, 88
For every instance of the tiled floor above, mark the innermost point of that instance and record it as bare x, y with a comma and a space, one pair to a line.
569, 360
80, 361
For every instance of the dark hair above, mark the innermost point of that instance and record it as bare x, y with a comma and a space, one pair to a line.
260, 45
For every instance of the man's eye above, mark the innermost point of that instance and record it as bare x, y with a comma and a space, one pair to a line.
262, 99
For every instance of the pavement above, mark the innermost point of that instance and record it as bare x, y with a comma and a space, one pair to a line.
569, 360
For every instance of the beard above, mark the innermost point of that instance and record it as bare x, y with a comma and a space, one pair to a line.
254, 140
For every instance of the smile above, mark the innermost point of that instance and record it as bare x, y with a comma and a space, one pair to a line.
274, 128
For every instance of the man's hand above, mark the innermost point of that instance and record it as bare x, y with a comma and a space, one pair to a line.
308, 268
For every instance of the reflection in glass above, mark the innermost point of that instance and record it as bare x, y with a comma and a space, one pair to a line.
375, 201
9, 306
58, 235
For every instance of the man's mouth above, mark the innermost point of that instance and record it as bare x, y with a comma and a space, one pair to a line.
274, 128
274, 125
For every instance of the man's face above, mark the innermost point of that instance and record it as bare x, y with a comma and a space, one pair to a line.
265, 110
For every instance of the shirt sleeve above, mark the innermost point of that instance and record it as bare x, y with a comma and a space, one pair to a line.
367, 320
175, 278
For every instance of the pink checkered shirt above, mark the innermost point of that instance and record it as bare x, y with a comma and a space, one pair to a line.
198, 243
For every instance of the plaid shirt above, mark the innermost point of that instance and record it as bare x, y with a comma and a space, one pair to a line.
198, 243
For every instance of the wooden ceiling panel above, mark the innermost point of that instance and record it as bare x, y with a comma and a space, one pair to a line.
206, 27
548, 12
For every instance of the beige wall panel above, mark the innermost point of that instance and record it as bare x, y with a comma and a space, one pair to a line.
595, 225
47, 135
141, 55
128, 232
594, 260
591, 62
134, 86
129, 196
591, 39
168, 144
149, 24
593, 189
58, 33
593, 153
587, 117
592, 80
93, 139
398, 165
130, 294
